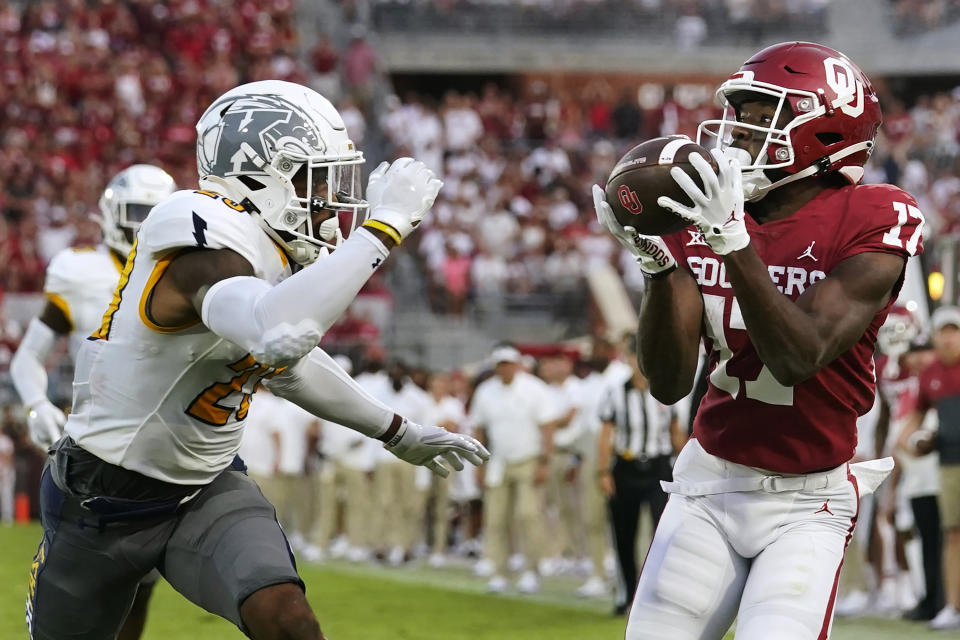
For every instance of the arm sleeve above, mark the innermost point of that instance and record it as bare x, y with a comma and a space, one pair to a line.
27, 366
319, 385
282, 323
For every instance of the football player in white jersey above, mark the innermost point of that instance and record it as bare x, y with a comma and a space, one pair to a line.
79, 284
222, 291
78, 287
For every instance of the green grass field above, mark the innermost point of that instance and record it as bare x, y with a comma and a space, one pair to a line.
371, 603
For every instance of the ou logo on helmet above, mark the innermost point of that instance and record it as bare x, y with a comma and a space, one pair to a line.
844, 82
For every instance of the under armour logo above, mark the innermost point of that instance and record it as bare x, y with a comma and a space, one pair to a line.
376, 263
696, 239
824, 509
808, 253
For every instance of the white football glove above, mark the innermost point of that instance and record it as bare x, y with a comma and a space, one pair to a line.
426, 445
399, 195
717, 210
650, 252
45, 423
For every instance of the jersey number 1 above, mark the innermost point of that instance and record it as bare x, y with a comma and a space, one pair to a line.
892, 237
764, 388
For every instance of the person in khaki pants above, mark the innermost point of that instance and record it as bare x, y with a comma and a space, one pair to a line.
607, 370
448, 412
393, 484
512, 412
562, 514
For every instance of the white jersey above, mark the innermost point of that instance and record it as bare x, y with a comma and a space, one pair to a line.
169, 402
80, 282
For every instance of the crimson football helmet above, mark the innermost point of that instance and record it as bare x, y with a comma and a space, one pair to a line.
835, 109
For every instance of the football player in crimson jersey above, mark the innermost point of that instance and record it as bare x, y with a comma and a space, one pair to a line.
786, 273
223, 290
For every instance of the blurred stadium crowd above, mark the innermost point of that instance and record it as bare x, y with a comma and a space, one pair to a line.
86, 91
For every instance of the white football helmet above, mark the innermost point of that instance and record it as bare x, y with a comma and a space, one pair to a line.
282, 151
899, 331
127, 200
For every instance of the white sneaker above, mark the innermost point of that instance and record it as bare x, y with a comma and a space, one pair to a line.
853, 604
595, 587
885, 604
358, 554
437, 560
339, 547
312, 553
549, 566
296, 541
529, 582
396, 557
484, 568
906, 594
516, 562
948, 618
497, 584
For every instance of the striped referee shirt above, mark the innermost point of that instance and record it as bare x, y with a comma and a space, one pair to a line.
642, 424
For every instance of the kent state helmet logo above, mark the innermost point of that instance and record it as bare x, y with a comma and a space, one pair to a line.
265, 124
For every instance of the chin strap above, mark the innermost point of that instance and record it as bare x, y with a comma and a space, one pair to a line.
853, 174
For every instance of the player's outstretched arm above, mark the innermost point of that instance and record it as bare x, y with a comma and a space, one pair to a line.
29, 374
282, 323
319, 385
797, 339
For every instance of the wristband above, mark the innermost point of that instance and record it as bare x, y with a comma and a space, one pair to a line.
385, 228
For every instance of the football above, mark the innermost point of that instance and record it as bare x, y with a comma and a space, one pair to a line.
643, 175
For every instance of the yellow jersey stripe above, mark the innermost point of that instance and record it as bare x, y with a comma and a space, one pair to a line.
103, 333
158, 270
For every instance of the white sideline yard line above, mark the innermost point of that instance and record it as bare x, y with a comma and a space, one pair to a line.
556, 591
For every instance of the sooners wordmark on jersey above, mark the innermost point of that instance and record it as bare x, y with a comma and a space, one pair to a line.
747, 416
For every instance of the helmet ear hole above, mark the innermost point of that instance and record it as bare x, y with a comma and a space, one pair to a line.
251, 183
827, 138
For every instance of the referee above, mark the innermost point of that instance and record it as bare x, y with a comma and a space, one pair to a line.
638, 439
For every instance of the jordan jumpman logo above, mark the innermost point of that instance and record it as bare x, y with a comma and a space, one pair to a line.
808, 253
824, 509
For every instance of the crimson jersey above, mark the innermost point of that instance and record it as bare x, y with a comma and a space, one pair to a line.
747, 416
899, 390
939, 388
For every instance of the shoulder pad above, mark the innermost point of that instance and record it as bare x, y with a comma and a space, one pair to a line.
200, 219
73, 268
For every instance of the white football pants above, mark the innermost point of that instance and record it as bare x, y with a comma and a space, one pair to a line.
737, 542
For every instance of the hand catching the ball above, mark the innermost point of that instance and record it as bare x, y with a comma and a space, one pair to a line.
717, 210
650, 252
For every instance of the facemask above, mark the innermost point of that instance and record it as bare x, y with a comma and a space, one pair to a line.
755, 181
